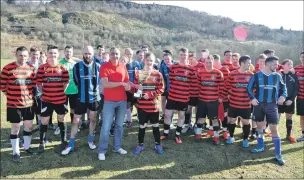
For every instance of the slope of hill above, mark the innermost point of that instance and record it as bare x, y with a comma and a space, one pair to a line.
124, 23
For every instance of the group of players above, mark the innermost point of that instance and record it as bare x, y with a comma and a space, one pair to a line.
223, 92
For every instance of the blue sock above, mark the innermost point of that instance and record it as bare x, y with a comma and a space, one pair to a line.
72, 143
277, 145
260, 139
90, 138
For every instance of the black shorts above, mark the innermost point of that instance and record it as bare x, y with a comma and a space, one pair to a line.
207, 109
174, 105
300, 107
81, 108
37, 105
165, 94
268, 110
236, 112
287, 109
16, 115
47, 109
145, 117
193, 101
130, 98
226, 106
72, 98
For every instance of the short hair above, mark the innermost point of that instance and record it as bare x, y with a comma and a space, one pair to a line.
302, 53
268, 51
68, 47
204, 50
114, 48
262, 56
192, 54
167, 53
210, 57
51, 47
236, 55
139, 51
21, 48
184, 50
129, 49
271, 59
243, 59
104, 53
150, 55
227, 51
34, 49
286, 61
100, 46
216, 56
42, 52
144, 46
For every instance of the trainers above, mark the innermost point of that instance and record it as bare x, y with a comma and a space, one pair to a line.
101, 157
63, 145
245, 143
210, 133
138, 149
185, 128
280, 160
29, 151
225, 135
230, 140
216, 140
257, 150
291, 139
178, 140
300, 139
92, 145
163, 137
51, 126
57, 131
16, 158
159, 149
41, 148
121, 151
162, 119
67, 151
198, 136
129, 124
195, 129
172, 126
253, 137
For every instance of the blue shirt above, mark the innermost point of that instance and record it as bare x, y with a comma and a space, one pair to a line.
164, 70
268, 87
87, 79
131, 67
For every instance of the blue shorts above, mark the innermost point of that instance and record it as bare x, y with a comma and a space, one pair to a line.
268, 110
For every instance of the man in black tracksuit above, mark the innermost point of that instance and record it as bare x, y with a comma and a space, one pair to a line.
292, 84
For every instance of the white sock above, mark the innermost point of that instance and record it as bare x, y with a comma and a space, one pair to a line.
27, 142
216, 134
15, 146
224, 129
129, 114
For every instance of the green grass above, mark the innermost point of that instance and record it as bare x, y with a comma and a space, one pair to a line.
191, 159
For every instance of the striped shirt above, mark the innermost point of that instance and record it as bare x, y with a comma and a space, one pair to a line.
153, 86
18, 82
300, 74
236, 87
209, 83
53, 79
226, 73
227, 65
87, 80
197, 68
182, 81
268, 87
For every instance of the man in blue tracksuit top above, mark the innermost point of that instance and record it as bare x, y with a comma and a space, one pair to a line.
270, 91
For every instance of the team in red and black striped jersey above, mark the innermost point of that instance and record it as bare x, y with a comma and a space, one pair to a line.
153, 86
182, 81
236, 87
53, 80
195, 90
300, 74
18, 83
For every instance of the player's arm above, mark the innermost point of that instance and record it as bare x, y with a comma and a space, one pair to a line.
65, 78
39, 78
222, 87
193, 82
4, 80
283, 89
250, 87
34, 81
227, 85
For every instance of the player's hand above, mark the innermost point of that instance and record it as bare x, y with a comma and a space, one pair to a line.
145, 96
288, 102
220, 100
140, 87
4, 93
124, 84
128, 87
255, 102
281, 100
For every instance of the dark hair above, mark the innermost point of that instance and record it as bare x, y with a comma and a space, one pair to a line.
286, 61
184, 50
271, 59
167, 53
51, 47
144, 46
227, 51
139, 51
68, 47
302, 53
21, 48
243, 59
216, 56
99, 46
42, 52
268, 51
34, 49
204, 50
